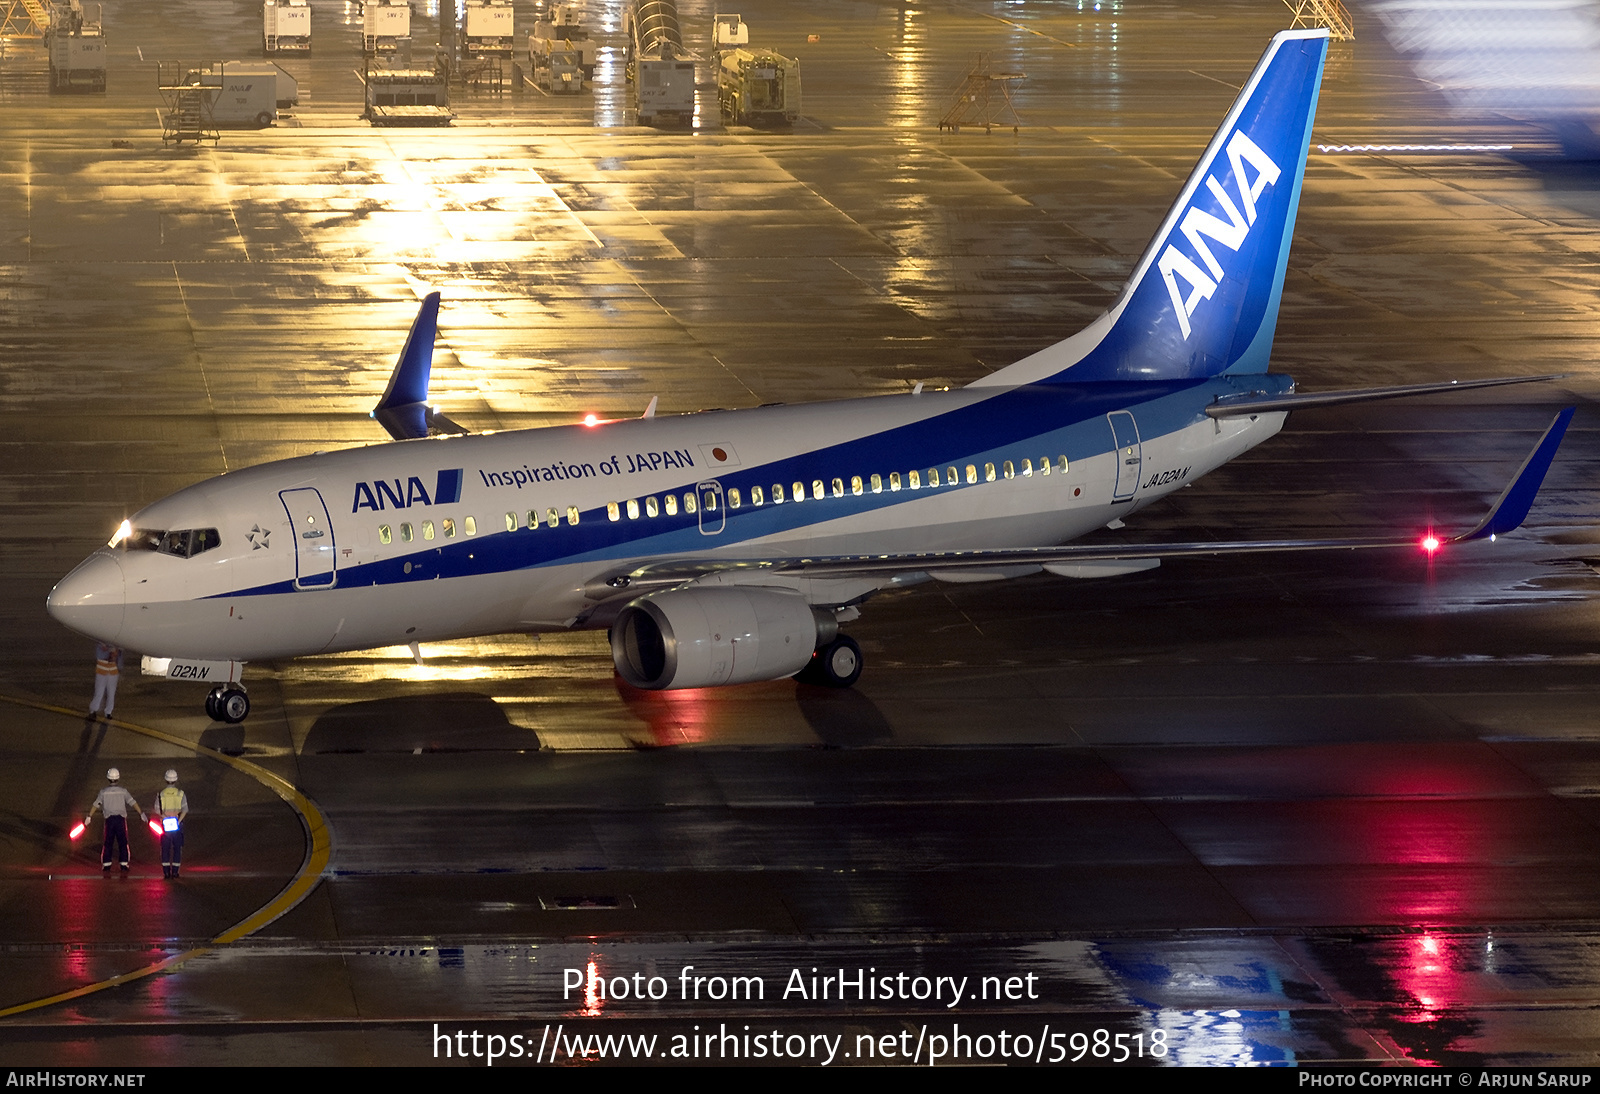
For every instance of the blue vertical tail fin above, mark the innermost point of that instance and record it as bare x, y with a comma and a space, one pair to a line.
1203, 299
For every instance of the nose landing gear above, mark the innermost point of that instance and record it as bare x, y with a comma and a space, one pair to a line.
228, 703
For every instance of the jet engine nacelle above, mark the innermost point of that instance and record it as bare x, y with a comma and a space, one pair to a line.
705, 637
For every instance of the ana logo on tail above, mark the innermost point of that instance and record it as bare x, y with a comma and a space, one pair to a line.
1198, 224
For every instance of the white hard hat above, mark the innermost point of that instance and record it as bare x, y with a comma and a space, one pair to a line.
172, 776
113, 774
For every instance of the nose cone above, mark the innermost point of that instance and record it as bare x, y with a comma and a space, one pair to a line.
90, 599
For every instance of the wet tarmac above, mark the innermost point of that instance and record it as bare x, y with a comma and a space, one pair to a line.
1248, 811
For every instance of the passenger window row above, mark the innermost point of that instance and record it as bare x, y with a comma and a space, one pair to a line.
693, 501
796, 491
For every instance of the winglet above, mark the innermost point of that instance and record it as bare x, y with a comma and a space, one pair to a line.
1507, 514
403, 410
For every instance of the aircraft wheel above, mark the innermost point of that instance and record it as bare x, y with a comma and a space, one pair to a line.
213, 710
836, 665
234, 706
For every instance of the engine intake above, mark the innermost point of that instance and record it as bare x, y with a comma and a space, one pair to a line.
706, 637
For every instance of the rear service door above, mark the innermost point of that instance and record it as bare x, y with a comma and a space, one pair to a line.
314, 556
1129, 453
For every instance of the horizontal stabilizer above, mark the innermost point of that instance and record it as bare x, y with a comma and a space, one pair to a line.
1235, 406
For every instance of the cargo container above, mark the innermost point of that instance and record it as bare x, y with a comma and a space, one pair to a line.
77, 45
285, 26
489, 27
385, 25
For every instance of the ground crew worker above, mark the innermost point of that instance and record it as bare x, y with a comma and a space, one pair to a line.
172, 805
114, 802
107, 666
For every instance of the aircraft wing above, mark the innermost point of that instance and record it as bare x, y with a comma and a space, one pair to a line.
1233, 406
1083, 560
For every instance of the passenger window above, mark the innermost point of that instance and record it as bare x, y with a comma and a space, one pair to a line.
449, 525
818, 491
933, 476
709, 501
552, 518
838, 488
651, 509
798, 491
755, 495
894, 480
533, 520
777, 493
470, 526
951, 478
1062, 466
1044, 465
672, 504
633, 508
988, 472
511, 522
1027, 469
914, 480
1011, 472
572, 514
855, 485
688, 502
405, 533
384, 535
877, 484
613, 511
972, 473
733, 498
427, 529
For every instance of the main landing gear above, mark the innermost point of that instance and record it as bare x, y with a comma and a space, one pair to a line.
835, 665
228, 703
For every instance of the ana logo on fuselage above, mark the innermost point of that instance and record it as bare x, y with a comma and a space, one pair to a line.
390, 493
1198, 225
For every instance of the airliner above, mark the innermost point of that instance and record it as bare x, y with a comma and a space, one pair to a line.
724, 547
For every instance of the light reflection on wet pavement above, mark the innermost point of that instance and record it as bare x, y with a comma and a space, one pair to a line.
1288, 811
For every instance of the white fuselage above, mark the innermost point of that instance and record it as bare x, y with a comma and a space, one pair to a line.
441, 538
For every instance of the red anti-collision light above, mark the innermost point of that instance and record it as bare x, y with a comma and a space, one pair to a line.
1430, 543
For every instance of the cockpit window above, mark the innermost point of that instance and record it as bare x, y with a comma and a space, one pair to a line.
184, 543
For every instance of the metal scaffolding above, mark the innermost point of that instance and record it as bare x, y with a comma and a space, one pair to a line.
984, 98
1323, 13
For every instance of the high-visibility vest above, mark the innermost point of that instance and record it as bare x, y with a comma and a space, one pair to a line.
170, 801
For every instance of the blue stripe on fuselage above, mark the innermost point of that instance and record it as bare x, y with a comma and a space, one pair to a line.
1030, 422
